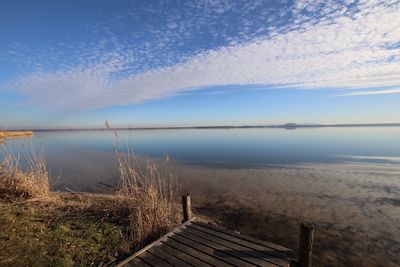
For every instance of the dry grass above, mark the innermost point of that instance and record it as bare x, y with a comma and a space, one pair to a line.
4, 134
67, 230
31, 181
152, 190
13, 134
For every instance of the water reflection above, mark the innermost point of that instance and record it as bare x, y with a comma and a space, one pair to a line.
243, 147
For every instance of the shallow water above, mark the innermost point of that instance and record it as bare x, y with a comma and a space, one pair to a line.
345, 180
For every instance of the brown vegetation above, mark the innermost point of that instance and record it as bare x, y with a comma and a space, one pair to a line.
32, 181
4, 134
152, 191
65, 229
46, 228
13, 134
142, 209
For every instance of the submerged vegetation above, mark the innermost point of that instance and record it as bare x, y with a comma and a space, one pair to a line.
42, 227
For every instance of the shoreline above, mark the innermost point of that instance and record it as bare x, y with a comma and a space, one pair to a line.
79, 211
13, 134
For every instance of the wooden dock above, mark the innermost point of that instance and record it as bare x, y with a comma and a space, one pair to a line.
196, 243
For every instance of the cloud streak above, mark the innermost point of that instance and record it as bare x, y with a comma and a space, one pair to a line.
378, 92
323, 45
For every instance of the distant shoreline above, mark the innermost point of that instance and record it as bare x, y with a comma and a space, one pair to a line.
288, 126
13, 134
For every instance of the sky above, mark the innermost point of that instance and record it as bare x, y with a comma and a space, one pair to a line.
77, 63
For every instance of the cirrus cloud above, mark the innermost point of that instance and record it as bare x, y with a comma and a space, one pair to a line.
325, 44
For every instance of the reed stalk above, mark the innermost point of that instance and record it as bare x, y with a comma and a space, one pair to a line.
151, 189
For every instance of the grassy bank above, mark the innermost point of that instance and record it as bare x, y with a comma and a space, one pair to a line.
68, 229
64, 230
39, 227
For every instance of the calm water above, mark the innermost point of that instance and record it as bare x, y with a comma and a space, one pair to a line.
234, 147
345, 180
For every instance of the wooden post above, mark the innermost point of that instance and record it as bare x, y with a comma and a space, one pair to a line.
306, 244
187, 208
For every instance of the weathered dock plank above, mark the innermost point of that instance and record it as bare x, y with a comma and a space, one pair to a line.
248, 254
199, 244
234, 257
190, 259
277, 254
136, 263
244, 237
197, 254
153, 260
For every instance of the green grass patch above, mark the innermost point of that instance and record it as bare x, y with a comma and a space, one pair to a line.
71, 230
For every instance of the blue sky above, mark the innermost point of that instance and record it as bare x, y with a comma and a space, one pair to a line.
213, 62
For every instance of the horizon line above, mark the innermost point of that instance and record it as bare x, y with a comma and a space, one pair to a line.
286, 126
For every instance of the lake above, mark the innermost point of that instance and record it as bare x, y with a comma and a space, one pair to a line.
265, 181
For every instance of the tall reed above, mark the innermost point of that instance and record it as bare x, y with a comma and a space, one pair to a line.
151, 189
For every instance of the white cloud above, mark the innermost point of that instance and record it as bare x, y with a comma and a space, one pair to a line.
377, 92
348, 47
